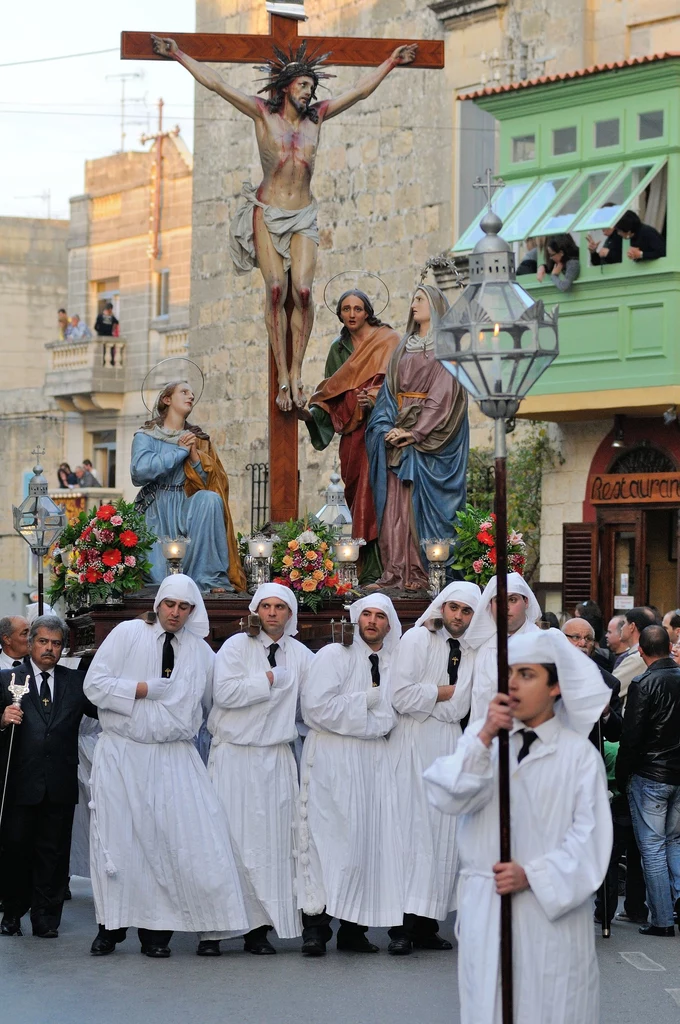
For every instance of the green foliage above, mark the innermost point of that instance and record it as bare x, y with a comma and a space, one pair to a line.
528, 458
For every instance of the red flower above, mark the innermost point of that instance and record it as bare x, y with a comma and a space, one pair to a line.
128, 538
282, 581
111, 556
104, 512
493, 516
92, 576
491, 553
86, 533
485, 538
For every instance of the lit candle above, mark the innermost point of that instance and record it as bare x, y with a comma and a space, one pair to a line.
174, 551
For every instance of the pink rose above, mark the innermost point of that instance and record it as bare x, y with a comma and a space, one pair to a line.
109, 576
116, 520
486, 525
130, 560
477, 565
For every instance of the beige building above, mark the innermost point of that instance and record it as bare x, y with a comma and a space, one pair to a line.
129, 242
393, 178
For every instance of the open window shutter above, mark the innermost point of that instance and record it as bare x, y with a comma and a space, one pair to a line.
579, 564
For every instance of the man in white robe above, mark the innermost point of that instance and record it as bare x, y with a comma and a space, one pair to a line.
523, 611
252, 722
160, 852
431, 682
561, 834
351, 856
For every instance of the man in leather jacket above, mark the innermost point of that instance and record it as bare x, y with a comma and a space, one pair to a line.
648, 766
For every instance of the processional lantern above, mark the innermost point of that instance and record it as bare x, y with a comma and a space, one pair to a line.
336, 512
497, 341
38, 520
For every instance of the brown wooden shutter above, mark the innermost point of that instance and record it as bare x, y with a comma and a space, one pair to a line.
579, 564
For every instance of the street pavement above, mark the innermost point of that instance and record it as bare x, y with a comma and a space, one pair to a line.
57, 982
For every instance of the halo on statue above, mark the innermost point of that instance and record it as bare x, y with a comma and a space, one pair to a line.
355, 280
160, 375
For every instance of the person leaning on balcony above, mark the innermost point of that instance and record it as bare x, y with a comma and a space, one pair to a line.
62, 320
534, 249
77, 330
106, 323
609, 251
645, 241
563, 262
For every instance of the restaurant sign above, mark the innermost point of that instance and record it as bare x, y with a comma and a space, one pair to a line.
633, 488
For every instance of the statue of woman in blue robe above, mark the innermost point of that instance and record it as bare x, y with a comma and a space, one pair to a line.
185, 493
417, 441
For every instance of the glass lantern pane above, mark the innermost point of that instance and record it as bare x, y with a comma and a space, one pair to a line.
502, 301
503, 203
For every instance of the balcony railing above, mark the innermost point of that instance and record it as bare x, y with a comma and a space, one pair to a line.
87, 370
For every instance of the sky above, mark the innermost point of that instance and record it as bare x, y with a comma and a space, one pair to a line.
57, 114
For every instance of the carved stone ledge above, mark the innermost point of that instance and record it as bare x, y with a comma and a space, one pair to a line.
454, 12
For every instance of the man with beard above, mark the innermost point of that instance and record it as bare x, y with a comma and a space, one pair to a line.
252, 722
431, 684
342, 403
276, 228
523, 611
350, 840
160, 853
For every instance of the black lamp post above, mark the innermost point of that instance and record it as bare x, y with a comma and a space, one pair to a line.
497, 342
38, 520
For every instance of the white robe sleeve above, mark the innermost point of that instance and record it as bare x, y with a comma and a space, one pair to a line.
412, 693
235, 683
328, 705
103, 685
566, 877
463, 782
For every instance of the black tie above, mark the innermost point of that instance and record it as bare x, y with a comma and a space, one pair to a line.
168, 662
45, 695
271, 654
15, 664
375, 669
528, 737
454, 660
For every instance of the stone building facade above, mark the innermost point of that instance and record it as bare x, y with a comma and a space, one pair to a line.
393, 179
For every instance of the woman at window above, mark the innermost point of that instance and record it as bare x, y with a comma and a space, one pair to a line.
563, 262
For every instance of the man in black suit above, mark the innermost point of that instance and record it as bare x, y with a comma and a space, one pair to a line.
42, 790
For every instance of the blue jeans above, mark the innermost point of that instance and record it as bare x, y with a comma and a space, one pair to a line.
655, 811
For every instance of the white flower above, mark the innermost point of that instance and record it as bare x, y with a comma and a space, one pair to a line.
308, 538
515, 538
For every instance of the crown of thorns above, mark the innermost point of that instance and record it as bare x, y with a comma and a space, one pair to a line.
283, 68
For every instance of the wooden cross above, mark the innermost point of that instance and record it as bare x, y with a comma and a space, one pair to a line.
231, 48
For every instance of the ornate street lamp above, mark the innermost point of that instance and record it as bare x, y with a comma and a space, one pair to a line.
497, 342
38, 520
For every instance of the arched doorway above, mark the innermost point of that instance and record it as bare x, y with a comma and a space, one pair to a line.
625, 552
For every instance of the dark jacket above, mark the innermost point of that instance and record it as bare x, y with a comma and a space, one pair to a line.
44, 760
614, 245
650, 741
649, 241
104, 324
611, 729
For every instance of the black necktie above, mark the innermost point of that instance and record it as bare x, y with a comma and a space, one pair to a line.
271, 654
168, 662
454, 660
375, 669
45, 695
528, 737
15, 663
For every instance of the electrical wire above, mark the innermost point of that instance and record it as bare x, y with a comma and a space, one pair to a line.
63, 56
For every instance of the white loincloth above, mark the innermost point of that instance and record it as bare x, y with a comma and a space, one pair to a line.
281, 225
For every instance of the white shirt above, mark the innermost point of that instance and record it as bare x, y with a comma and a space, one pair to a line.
267, 641
37, 675
7, 661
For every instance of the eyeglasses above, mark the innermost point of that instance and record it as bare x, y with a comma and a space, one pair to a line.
576, 639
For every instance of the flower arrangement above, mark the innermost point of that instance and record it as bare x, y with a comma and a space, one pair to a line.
476, 546
302, 561
101, 554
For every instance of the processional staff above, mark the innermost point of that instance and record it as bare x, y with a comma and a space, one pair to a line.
18, 691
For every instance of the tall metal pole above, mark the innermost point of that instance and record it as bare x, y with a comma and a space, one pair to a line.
500, 453
41, 602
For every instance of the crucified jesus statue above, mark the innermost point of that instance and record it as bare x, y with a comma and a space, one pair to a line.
276, 228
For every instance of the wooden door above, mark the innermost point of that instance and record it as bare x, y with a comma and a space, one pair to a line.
623, 559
